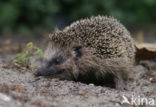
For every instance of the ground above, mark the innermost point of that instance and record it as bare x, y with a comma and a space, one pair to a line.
20, 88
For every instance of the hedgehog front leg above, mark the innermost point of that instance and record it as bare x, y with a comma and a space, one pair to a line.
120, 82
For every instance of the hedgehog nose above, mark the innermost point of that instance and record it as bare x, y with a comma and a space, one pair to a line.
38, 72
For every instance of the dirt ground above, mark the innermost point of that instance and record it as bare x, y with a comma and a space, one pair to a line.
19, 88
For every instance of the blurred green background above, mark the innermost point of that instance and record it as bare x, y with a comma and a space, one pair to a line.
39, 16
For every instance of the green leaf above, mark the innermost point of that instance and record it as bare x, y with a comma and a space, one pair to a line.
23, 58
30, 44
38, 52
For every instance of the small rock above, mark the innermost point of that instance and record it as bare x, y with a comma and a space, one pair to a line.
4, 97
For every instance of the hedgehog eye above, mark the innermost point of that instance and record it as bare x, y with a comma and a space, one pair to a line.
55, 61
78, 50
58, 60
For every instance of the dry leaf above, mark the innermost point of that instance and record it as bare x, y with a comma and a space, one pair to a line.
18, 88
41, 104
85, 95
144, 51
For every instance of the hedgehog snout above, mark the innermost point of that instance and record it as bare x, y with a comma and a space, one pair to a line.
38, 72
45, 71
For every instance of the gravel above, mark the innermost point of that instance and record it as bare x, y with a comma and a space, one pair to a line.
20, 88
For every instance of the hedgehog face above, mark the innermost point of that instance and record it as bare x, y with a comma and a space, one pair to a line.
60, 62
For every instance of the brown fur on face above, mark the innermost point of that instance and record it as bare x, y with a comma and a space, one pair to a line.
81, 64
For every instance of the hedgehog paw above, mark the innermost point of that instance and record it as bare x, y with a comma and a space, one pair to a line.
120, 85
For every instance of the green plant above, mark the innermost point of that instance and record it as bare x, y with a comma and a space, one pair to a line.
23, 58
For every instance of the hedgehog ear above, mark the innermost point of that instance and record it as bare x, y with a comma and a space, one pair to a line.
56, 29
77, 51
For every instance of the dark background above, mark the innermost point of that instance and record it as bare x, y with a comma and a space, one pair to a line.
36, 17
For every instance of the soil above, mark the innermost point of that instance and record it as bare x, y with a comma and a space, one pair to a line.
20, 88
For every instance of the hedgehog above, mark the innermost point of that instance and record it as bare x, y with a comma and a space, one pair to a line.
96, 50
